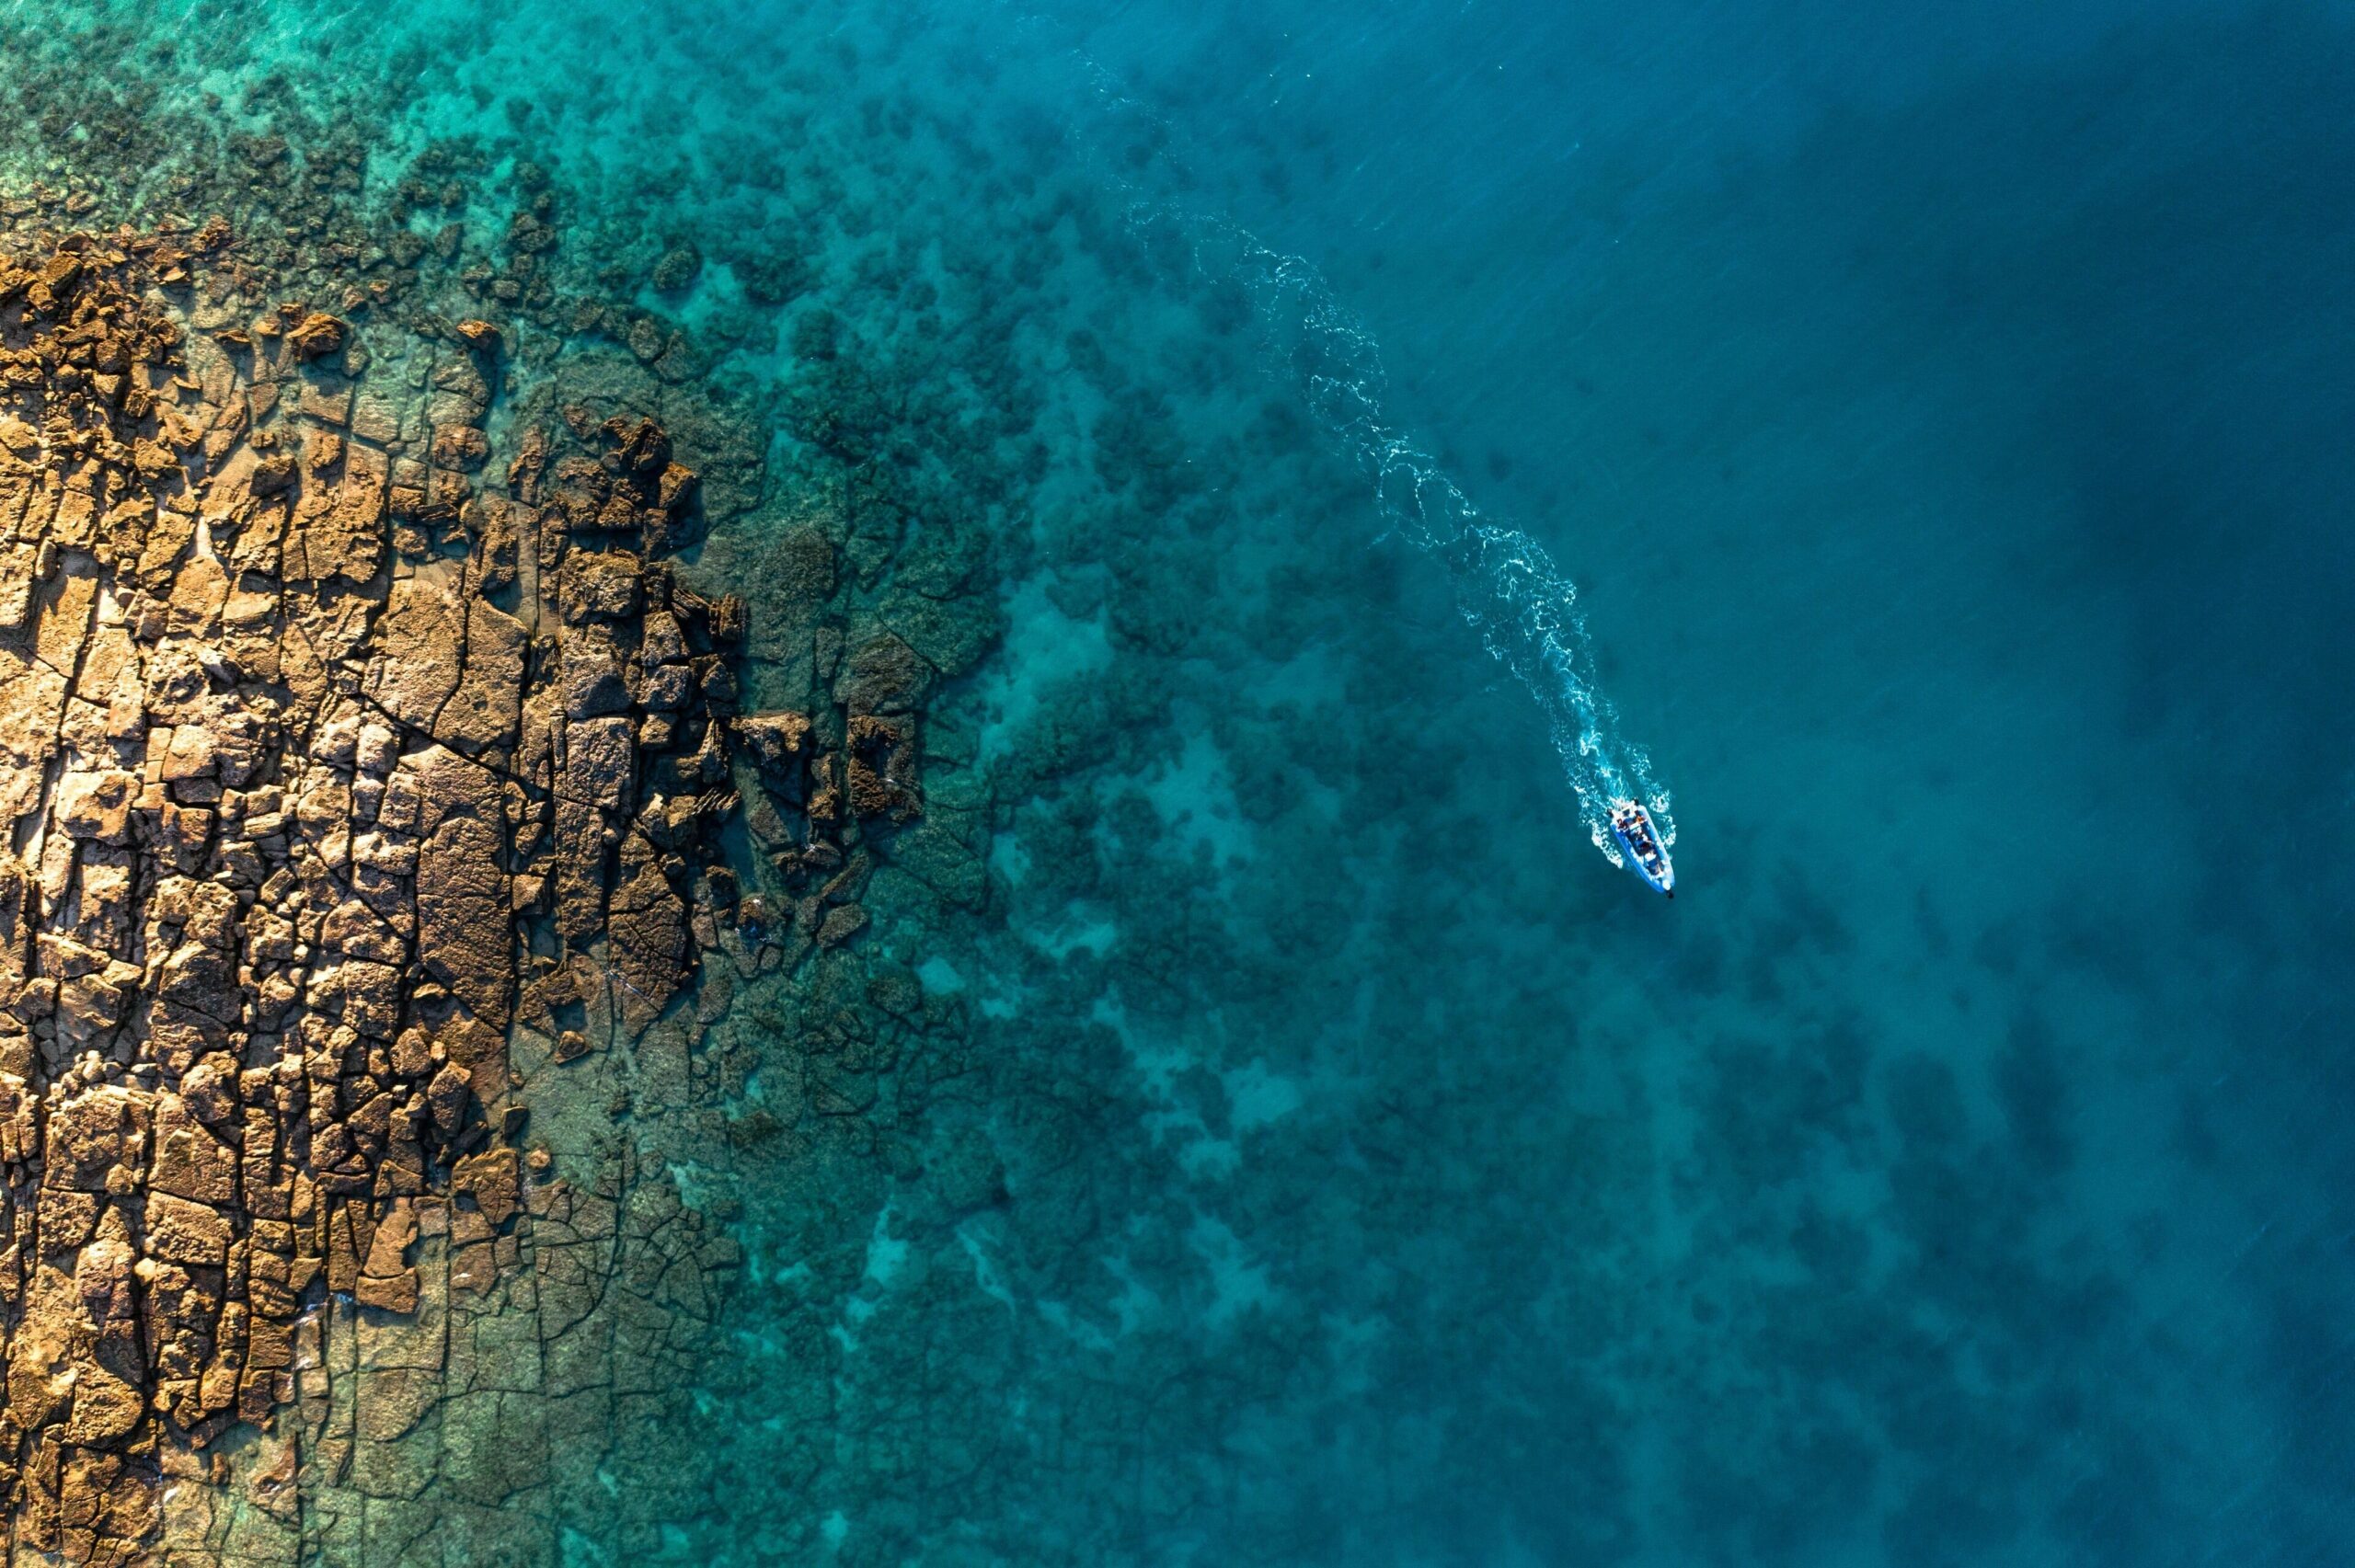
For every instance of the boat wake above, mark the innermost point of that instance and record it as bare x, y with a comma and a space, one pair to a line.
1525, 610
1508, 588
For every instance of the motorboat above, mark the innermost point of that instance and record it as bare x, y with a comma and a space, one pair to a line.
1647, 857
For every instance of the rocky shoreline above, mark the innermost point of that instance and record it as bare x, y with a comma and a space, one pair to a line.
893, 1151
363, 771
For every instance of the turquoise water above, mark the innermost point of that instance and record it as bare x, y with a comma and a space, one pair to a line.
1323, 1153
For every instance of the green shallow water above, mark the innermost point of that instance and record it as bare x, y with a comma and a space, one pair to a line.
1301, 1147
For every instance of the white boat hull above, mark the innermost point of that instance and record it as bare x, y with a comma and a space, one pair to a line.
1653, 868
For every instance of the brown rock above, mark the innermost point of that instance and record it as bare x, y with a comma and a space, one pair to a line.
647, 925
386, 1280
780, 743
446, 1097
466, 923
93, 1135
316, 337
422, 642
179, 1231
188, 1161
595, 680
107, 1408
460, 447
66, 1221
601, 586
480, 1052
597, 757
392, 1293
483, 715
97, 805
881, 752
492, 1180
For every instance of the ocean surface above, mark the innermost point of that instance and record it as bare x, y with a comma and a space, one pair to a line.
1944, 413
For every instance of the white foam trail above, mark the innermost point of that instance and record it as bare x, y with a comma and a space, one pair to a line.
1506, 585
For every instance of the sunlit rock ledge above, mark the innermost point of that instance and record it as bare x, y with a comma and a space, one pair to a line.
364, 779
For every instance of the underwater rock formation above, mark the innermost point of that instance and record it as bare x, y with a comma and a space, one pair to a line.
340, 775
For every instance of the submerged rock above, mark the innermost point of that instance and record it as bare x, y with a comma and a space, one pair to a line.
680, 266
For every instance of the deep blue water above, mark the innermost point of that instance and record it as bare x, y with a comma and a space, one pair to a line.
1942, 409
1944, 412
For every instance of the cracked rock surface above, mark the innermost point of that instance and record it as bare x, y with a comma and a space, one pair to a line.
352, 761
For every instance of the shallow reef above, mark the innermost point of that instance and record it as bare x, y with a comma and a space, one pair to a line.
356, 792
